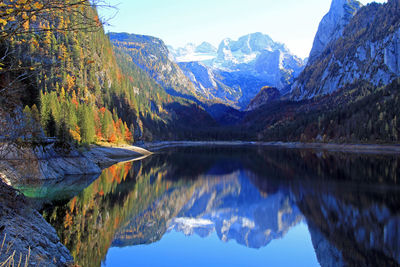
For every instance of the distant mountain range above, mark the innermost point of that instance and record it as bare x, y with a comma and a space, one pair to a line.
235, 72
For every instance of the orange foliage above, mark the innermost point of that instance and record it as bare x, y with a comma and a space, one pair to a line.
68, 220
112, 138
72, 204
74, 101
113, 171
128, 135
97, 124
127, 168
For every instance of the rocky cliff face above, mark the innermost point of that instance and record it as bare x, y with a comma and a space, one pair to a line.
369, 49
332, 25
209, 83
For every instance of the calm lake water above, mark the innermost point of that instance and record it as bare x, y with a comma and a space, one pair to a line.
234, 206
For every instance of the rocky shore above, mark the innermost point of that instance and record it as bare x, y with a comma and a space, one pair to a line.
50, 163
25, 235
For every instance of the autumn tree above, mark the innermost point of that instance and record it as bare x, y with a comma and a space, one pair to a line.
29, 18
28, 28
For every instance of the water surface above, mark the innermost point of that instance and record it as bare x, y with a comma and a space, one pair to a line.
241, 206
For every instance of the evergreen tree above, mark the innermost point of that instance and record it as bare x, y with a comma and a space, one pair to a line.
51, 126
86, 124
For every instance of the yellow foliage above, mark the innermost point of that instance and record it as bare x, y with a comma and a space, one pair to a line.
38, 5
76, 134
3, 22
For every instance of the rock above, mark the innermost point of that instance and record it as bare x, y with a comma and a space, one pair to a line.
25, 230
368, 50
332, 25
208, 83
46, 163
49, 163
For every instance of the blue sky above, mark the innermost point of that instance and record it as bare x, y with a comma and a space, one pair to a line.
178, 22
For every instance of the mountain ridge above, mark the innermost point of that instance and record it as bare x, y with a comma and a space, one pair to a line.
243, 66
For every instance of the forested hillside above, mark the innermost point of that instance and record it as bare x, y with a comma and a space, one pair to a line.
152, 55
71, 80
358, 113
74, 86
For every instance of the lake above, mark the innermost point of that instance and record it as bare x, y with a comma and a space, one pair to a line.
235, 206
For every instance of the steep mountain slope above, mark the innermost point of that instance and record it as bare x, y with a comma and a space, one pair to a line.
245, 65
152, 56
332, 25
208, 83
350, 93
369, 49
358, 113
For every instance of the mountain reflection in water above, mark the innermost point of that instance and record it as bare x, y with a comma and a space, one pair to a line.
246, 195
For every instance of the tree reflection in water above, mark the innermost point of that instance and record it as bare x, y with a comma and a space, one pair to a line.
248, 194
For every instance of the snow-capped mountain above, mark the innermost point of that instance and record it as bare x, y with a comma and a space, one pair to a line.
191, 52
243, 66
231, 54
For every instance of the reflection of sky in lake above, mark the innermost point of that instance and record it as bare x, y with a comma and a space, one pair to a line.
176, 249
239, 206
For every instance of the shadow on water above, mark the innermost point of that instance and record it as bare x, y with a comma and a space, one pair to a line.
350, 202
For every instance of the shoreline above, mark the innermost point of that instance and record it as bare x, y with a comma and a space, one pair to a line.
348, 148
18, 215
48, 163
106, 156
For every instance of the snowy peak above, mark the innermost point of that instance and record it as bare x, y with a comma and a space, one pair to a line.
206, 48
251, 43
192, 52
245, 50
